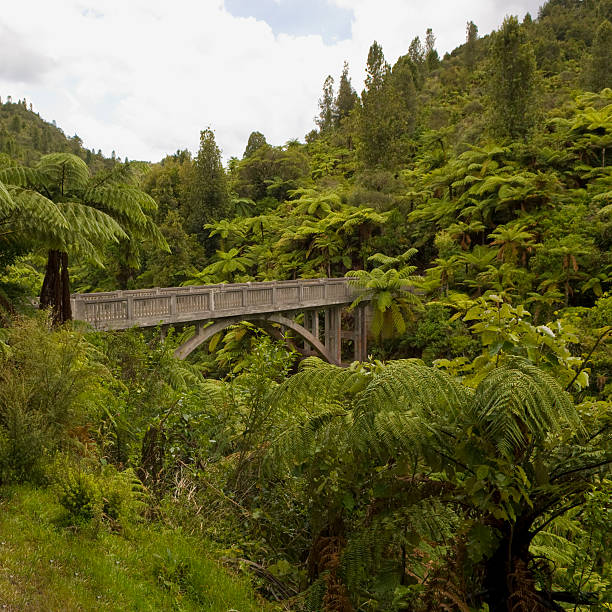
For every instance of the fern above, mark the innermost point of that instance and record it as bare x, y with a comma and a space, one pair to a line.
427, 520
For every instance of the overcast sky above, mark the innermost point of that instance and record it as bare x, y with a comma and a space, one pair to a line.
143, 77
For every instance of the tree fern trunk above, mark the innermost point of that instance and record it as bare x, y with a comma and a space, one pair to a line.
55, 292
509, 582
65, 288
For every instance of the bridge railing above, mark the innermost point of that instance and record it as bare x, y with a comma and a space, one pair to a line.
148, 307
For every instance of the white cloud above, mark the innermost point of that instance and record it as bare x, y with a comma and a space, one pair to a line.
18, 63
144, 77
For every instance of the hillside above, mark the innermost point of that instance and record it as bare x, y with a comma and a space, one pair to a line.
25, 136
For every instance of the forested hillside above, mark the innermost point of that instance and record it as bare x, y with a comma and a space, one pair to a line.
466, 464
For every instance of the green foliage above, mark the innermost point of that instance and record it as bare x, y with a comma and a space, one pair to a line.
504, 330
326, 106
479, 483
470, 45
388, 292
255, 142
515, 451
346, 98
384, 118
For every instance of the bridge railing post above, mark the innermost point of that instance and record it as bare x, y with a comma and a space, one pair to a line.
130, 307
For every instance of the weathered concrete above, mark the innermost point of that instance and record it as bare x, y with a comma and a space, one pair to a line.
214, 307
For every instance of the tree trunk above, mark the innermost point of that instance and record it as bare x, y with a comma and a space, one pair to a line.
55, 292
325, 557
509, 582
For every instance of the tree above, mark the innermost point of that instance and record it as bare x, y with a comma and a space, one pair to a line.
403, 75
470, 45
325, 119
432, 59
511, 81
255, 142
83, 213
345, 99
416, 53
206, 195
600, 67
384, 119
269, 169
227, 265
513, 240
172, 268
376, 69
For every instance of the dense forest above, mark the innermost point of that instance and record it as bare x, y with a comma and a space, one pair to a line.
464, 466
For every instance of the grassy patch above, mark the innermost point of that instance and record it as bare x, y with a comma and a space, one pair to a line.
46, 567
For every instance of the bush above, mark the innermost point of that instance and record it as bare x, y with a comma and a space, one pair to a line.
80, 495
48, 380
109, 496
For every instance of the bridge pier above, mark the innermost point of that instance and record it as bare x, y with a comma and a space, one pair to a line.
333, 334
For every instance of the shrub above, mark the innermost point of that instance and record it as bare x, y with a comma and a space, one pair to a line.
80, 495
49, 379
109, 496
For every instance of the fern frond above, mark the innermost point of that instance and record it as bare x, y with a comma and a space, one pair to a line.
7, 204
427, 519
35, 217
124, 202
63, 172
318, 383
517, 402
401, 405
95, 225
20, 176
153, 234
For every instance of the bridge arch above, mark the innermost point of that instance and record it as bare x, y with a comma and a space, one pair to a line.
204, 334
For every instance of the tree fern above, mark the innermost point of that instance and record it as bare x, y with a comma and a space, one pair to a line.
504, 462
125, 202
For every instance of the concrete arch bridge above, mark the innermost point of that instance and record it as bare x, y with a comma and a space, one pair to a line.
212, 308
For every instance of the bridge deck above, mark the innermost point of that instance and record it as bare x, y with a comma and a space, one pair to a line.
151, 307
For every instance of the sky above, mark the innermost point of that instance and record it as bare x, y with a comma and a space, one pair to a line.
144, 77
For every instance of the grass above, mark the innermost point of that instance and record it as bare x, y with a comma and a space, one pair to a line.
46, 567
